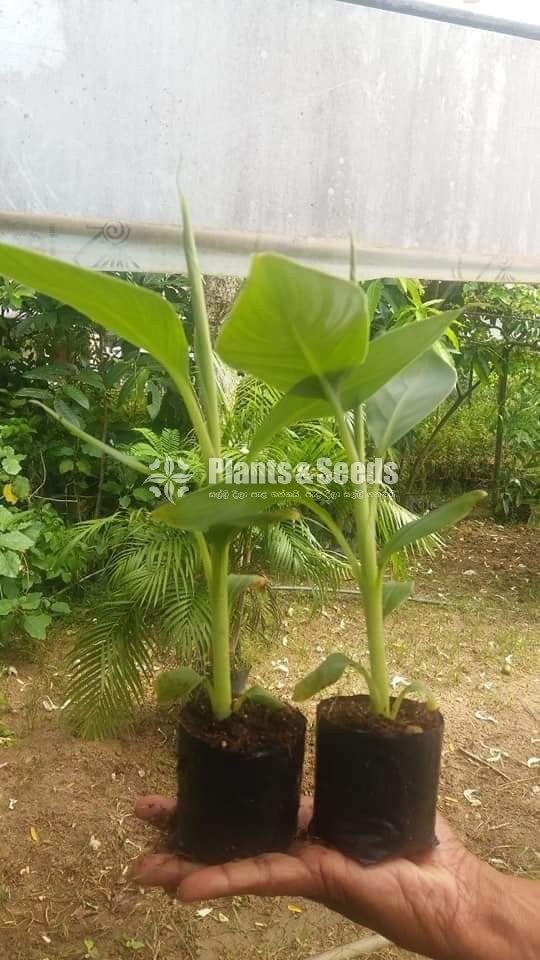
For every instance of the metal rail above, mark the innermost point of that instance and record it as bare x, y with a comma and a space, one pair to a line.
479, 21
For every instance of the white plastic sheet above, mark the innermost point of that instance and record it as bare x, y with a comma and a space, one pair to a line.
289, 124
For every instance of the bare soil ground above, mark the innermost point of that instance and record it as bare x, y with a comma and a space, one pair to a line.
67, 831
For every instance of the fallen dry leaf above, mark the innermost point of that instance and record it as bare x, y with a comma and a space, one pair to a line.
486, 717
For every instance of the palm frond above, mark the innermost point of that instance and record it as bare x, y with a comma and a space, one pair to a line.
392, 516
109, 664
227, 381
152, 560
89, 533
186, 624
249, 402
257, 614
291, 550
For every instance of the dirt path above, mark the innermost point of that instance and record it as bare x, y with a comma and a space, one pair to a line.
67, 833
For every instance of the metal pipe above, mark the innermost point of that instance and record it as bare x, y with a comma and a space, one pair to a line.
352, 950
332, 253
347, 591
463, 18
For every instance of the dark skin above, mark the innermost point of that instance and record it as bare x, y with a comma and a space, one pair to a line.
447, 905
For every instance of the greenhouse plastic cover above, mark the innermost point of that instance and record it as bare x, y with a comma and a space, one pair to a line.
288, 124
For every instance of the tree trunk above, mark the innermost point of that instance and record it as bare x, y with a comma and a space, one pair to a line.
421, 455
502, 393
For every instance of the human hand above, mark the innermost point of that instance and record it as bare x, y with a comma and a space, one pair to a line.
426, 906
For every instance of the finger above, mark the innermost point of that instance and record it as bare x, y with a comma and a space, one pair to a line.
162, 870
156, 810
269, 875
305, 813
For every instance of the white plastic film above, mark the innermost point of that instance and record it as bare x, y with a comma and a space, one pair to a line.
289, 124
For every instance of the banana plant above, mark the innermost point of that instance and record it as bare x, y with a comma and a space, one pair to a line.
214, 517
307, 334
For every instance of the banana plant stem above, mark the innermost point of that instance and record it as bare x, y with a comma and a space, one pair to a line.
221, 659
371, 579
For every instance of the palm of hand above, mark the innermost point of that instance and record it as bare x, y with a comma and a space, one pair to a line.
419, 905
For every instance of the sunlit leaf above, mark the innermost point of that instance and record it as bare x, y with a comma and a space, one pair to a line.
20, 486
14, 540
329, 672
35, 393
373, 294
395, 592
174, 685
432, 522
74, 393
67, 413
59, 606
36, 625
126, 309
6, 607
240, 582
408, 398
290, 322
224, 505
7, 518
92, 378
259, 695
30, 601
11, 465
386, 357
452, 337
10, 563
416, 687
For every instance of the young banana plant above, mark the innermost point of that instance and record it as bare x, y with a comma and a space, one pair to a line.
307, 334
212, 514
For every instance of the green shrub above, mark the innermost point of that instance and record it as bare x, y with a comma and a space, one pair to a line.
30, 569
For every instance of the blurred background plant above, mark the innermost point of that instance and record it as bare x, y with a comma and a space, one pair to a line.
487, 433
